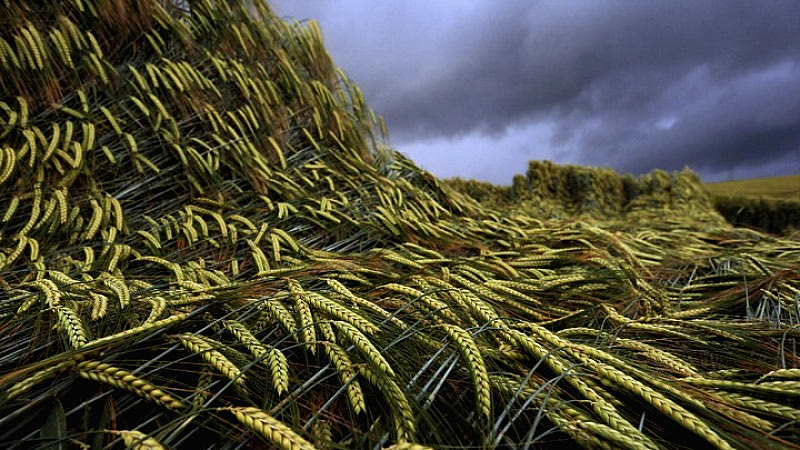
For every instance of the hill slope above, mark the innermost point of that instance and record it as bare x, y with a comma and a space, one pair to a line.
206, 242
785, 187
769, 204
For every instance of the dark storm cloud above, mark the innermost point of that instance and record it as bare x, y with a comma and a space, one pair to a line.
635, 85
713, 126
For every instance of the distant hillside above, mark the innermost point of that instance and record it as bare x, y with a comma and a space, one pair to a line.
561, 191
785, 187
769, 204
558, 191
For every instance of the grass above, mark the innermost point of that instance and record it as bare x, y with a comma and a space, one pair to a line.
206, 241
784, 187
767, 204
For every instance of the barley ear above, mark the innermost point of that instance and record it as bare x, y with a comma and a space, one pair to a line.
477, 367
25, 385
136, 440
301, 302
275, 431
206, 348
122, 379
72, 326
365, 347
279, 368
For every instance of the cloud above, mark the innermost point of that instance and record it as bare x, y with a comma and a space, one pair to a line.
635, 85
484, 157
714, 125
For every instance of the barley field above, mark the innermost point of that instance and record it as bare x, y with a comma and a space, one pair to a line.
766, 204
206, 241
786, 187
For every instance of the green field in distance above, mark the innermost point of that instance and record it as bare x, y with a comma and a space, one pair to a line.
786, 187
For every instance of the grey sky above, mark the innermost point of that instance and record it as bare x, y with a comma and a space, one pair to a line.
477, 88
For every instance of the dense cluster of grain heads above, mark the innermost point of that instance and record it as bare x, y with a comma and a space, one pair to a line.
206, 241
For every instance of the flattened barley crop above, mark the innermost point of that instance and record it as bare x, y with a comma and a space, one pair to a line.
207, 240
